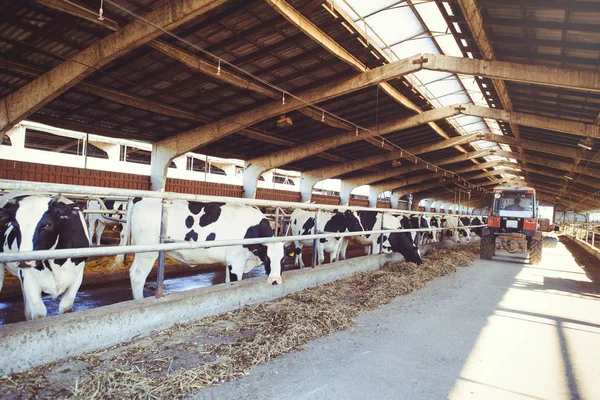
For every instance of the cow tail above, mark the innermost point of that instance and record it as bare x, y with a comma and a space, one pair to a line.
119, 260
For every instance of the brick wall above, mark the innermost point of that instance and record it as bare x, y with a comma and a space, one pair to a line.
23, 171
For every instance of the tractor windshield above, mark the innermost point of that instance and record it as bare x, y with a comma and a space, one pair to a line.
514, 204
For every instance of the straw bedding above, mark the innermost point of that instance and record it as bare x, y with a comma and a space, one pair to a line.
185, 359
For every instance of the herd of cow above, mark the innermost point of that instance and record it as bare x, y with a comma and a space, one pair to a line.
34, 222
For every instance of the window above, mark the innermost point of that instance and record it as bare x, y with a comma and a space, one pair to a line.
514, 204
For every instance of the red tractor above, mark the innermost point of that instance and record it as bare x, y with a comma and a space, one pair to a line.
513, 224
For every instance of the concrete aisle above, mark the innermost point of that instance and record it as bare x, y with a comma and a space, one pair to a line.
500, 329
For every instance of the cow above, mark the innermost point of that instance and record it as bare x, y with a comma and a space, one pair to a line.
97, 221
397, 242
449, 222
413, 222
435, 222
474, 222
302, 222
426, 236
199, 221
32, 222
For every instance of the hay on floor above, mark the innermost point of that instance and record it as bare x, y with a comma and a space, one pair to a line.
234, 342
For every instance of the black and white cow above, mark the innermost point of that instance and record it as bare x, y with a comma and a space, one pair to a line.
451, 221
393, 242
33, 222
427, 236
474, 222
302, 222
197, 221
436, 222
97, 222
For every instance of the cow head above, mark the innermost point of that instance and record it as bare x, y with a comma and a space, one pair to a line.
352, 222
42, 223
405, 222
414, 221
434, 222
400, 243
274, 262
466, 232
272, 255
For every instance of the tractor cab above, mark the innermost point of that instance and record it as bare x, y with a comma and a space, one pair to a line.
512, 224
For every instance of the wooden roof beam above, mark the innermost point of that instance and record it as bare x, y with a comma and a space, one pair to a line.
311, 30
541, 4
382, 187
192, 61
28, 99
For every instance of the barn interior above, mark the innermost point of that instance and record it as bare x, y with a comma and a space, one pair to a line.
467, 95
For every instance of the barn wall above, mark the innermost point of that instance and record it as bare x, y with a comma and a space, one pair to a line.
33, 172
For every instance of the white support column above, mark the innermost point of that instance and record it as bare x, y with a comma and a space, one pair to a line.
345, 190
252, 173
17, 137
181, 162
307, 183
374, 192
161, 159
113, 150
395, 200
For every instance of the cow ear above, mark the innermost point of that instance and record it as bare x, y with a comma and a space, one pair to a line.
65, 211
54, 199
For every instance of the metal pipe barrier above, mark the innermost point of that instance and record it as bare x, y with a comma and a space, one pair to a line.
165, 243
185, 245
65, 189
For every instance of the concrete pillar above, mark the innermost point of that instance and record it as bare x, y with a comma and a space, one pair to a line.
181, 162
252, 173
229, 170
394, 200
307, 183
17, 137
345, 190
113, 150
374, 192
161, 159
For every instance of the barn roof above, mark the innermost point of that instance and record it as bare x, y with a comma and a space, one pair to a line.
240, 57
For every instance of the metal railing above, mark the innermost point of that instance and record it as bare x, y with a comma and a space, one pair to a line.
169, 245
582, 231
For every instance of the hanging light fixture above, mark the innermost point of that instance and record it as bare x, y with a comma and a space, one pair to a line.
586, 143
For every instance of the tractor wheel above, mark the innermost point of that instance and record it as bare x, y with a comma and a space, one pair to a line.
486, 247
535, 252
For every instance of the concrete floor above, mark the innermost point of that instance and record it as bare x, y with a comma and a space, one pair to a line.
501, 329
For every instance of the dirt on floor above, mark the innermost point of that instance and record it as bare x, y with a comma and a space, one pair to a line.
185, 359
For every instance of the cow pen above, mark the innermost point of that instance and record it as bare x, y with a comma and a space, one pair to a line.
110, 325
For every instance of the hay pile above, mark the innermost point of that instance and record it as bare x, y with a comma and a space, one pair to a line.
228, 346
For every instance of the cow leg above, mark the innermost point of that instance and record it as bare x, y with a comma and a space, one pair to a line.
1, 276
368, 250
68, 297
99, 232
343, 249
234, 272
320, 253
120, 259
298, 258
32, 295
91, 228
141, 267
